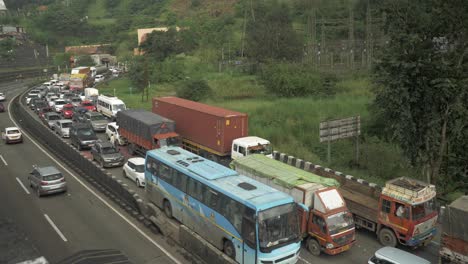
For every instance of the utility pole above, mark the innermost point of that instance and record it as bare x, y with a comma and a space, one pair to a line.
369, 36
351, 36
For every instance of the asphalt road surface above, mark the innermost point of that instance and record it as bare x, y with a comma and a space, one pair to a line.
79, 199
59, 225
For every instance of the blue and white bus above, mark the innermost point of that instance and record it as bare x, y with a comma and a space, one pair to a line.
248, 220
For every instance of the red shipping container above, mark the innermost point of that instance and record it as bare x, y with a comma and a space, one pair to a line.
211, 127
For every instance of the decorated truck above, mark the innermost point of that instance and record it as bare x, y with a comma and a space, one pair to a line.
79, 81
212, 132
328, 225
454, 236
402, 213
144, 130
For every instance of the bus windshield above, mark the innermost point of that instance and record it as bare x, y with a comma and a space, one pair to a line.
265, 149
339, 222
278, 226
422, 210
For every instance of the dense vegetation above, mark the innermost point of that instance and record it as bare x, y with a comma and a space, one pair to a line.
291, 64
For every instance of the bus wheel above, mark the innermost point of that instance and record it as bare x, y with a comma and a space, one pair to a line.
167, 209
313, 246
228, 249
387, 237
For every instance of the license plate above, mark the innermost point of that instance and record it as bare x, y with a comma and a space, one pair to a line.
345, 248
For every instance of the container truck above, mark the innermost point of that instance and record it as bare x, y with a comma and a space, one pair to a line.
454, 237
144, 130
328, 226
212, 132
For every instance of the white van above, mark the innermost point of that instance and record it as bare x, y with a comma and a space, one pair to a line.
109, 105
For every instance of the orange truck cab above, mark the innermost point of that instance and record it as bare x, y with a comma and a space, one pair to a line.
330, 226
403, 213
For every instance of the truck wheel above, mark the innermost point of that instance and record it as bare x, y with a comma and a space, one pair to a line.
387, 237
167, 209
228, 249
313, 246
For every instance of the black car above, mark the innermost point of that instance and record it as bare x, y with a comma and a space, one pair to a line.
38, 105
82, 136
2, 107
34, 101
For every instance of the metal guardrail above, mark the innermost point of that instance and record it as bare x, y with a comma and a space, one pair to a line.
24, 74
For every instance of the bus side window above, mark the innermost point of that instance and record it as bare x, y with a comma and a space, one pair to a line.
152, 166
195, 189
180, 181
165, 173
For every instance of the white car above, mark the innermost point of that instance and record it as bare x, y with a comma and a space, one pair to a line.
112, 133
99, 78
134, 169
12, 135
2, 97
47, 84
31, 96
52, 100
58, 105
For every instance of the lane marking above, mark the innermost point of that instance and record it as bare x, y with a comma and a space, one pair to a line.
141, 232
22, 185
302, 259
55, 228
4, 161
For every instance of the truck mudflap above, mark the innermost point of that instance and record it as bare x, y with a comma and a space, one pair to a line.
422, 239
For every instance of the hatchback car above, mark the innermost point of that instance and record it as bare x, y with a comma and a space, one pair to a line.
41, 112
47, 180
99, 78
112, 134
75, 100
107, 155
39, 105
82, 136
134, 169
62, 127
96, 120
58, 105
50, 118
78, 114
2, 97
12, 135
391, 255
31, 96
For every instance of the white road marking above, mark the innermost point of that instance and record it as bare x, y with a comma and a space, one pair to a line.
22, 185
4, 161
94, 193
55, 228
302, 259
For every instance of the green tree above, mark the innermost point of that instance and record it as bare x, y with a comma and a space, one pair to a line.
161, 44
269, 33
421, 79
139, 73
7, 49
195, 90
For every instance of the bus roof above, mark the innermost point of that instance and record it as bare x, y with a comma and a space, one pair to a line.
216, 176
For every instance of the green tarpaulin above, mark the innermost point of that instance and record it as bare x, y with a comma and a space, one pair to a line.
281, 173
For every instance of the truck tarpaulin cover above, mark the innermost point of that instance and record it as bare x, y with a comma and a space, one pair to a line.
455, 222
144, 123
281, 173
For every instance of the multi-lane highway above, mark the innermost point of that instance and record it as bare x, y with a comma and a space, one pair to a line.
81, 219
60, 225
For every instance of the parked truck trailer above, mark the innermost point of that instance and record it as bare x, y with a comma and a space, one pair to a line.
144, 130
328, 226
212, 132
454, 237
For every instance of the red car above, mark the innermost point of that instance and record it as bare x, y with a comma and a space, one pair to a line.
67, 111
88, 105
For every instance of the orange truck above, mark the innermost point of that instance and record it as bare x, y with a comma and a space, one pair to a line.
403, 212
326, 223
454, 237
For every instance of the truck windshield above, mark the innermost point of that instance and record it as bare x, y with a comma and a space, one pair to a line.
265, 149
172, 141
422, 210
277, 226
339, 222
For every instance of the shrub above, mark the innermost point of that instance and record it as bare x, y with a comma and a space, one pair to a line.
195, 90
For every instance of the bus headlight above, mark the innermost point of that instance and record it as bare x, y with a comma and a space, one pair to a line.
329, 245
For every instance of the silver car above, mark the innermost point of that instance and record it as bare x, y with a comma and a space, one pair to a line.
97, 121
47, 180
395, 256
50, 118
62, 127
